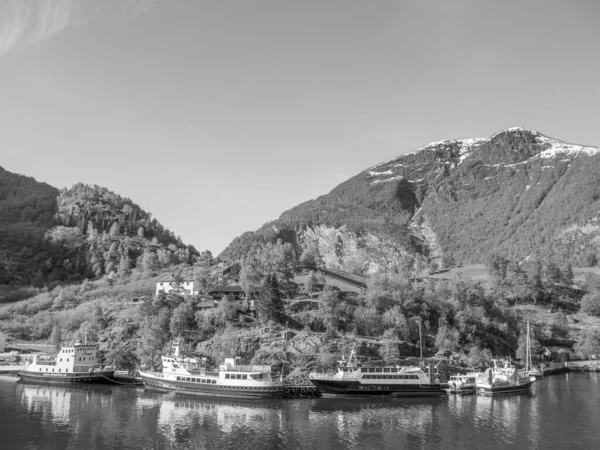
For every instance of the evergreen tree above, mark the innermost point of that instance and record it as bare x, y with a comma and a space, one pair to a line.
115, 230
270, 304
124, 266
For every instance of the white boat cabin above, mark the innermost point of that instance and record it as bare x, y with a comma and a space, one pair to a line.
76, 359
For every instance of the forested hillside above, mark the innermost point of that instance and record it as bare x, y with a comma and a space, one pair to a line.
50, 236
518, 193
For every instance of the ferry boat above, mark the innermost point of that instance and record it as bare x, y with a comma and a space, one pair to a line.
503, 379
353, 379
462, 384
77, 364
189, 376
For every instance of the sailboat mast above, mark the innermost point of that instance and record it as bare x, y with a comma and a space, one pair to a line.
528, 356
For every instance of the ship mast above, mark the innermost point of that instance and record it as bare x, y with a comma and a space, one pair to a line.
528, 357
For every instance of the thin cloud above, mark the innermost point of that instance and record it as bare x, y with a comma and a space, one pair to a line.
24, 23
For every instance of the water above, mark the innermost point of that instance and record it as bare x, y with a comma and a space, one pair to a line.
562, 411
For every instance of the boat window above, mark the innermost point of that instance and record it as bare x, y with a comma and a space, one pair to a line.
379, 369
364, 369
178, 378
66, 370
40, 369
387, 369
214, 381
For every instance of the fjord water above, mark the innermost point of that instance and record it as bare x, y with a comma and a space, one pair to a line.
562, 411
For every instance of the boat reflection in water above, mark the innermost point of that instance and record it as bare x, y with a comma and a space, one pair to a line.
95, 417
189, 422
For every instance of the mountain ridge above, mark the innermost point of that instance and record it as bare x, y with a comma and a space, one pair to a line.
489, 189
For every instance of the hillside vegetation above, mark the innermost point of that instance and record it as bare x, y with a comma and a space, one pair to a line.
49, 236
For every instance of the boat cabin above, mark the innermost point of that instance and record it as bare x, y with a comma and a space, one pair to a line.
79, 358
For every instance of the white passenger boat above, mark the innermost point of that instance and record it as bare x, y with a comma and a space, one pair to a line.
190, 376
77, 364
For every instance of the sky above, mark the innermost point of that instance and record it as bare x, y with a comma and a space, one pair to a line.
217, 116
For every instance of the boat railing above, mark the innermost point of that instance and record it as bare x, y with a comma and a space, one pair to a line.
333, 375
249, 368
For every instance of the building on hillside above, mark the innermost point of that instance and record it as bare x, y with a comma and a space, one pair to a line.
169, 284
555, 353
2, 343
232, 294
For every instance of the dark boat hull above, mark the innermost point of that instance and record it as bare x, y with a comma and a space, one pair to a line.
344, 388
521, 389
208, 390
104, 376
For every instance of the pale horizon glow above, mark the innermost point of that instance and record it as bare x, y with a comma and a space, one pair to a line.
217, 116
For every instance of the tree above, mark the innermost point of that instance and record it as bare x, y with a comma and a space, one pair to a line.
182, 320
534, 345
389, 349
311, 282
567, 275
270, 303
479, 357
149, 261
154, 334
250, 274
588, 344
590, 304
56, 338
125, 266
115, 230
447, 338
311, 257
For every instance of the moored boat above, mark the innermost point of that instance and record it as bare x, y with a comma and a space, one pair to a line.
232, 380
462, 384
355, 380
76, 364
503, 379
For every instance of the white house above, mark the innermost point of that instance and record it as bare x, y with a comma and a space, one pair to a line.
169, 284
2, 343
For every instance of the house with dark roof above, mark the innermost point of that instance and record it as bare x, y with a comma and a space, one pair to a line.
555, 353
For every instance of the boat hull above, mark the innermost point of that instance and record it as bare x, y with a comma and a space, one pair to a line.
346, 388
499, 390
98, 376
158, 383
461, 391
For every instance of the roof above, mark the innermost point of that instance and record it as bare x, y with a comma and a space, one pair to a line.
225, 288
557, 349
171, 280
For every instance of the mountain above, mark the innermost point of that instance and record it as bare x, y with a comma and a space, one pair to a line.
49, 235
517, 193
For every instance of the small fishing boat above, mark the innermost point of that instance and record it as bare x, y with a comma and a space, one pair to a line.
77, 364
190, 376
462, 384
503, 378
